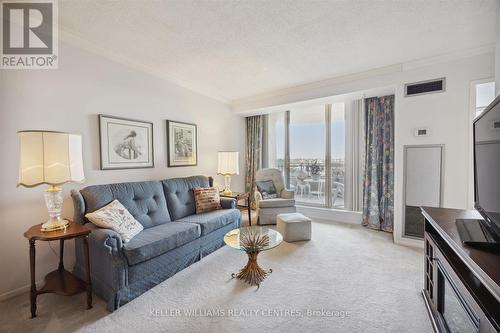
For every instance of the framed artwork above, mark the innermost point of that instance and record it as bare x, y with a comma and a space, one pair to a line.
125, 143
182, 144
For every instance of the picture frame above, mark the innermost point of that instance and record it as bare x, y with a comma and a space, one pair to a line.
182, 144
125, 143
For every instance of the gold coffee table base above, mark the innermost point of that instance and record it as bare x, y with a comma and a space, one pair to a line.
252, 273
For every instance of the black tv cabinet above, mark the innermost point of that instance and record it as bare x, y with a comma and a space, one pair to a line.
461, 283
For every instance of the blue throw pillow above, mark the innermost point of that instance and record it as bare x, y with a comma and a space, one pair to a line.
266, 189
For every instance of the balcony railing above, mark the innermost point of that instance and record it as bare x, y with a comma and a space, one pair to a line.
307, 179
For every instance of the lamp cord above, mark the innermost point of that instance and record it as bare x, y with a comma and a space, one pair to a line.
53, 251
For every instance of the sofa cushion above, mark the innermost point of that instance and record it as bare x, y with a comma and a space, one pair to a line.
276, 203
179, 195
144, 200
212, 220
160, 239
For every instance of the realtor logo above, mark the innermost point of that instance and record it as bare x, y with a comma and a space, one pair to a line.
29, 34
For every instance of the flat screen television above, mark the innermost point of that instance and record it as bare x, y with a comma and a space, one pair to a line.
485, 232
487, 163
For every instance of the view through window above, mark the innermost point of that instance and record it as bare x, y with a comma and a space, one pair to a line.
307, 154
485, 94
307, 144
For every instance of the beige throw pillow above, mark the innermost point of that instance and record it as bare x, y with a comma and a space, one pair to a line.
206, 199
116, 217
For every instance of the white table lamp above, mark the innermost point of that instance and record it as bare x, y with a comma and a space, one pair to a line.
51, 158
228, 165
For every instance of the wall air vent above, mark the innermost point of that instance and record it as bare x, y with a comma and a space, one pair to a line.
425, 87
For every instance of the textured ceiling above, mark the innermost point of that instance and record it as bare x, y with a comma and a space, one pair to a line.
236, 49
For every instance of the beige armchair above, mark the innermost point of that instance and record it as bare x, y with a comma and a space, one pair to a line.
267, 209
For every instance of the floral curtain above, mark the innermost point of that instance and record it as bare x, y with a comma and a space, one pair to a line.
253, 154
378, 182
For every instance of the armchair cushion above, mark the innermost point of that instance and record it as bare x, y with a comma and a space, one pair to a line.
266, 189
276, 203
271, 174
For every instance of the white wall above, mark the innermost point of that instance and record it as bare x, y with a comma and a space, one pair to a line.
497, 54
446, 114
69, 99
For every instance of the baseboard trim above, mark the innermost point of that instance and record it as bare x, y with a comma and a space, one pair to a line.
17, 292
331, 215
411, 242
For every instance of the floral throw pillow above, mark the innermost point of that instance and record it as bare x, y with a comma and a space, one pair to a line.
266, 189
116, 217
206, 199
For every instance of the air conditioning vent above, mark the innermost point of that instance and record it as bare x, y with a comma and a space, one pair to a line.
425, 87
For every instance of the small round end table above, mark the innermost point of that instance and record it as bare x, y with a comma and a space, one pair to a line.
253, 240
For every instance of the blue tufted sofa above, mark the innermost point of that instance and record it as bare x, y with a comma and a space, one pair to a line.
173, 238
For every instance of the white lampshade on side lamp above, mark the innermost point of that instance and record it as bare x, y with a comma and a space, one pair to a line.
228, 165
51, 158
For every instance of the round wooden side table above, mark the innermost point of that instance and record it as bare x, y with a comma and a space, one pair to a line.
60, 281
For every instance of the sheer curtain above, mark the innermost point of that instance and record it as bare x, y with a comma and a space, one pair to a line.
378, 184
354, 161
255, 148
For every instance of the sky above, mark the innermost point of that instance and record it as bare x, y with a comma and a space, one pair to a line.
307, 140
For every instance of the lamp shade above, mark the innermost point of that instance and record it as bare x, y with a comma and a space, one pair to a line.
228, 163
51, 158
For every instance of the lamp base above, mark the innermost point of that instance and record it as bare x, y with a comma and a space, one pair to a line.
54, 201
227, 185
54, 224
227, 192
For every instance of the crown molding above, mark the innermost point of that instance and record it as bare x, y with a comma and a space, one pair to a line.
449, 57
311, 86
243, 105
74, 39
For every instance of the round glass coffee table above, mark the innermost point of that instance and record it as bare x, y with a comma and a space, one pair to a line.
253, 240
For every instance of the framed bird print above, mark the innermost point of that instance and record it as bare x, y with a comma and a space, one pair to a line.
125, 143
182, 144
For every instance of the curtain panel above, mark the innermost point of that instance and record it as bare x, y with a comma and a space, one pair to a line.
253, 151
355, 152
378, 182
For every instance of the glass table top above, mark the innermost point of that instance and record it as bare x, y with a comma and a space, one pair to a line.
254, 238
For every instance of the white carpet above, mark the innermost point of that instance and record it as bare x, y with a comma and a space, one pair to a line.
366, 282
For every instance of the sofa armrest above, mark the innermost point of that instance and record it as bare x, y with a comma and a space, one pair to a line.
79, 207
257, 198
287, 194
107, 240
108, 264
228, 203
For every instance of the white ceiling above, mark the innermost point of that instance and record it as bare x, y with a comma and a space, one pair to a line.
235, 49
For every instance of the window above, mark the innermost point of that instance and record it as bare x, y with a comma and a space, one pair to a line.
485, 94
276, 140
308, 144
307, 154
